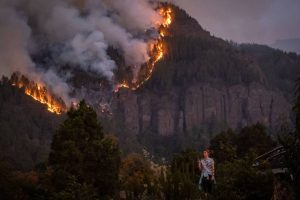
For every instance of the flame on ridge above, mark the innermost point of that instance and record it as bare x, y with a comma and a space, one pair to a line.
167, 15
39, 93
157, 51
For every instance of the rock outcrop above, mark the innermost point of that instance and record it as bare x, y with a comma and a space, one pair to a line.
180, 110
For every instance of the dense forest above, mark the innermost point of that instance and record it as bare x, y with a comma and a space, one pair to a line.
85, 163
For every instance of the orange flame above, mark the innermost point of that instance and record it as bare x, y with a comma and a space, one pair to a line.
166, 13
39, 93
156, 50
121, 85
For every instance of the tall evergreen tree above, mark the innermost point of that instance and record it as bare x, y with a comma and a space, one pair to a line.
291, 143
85, 163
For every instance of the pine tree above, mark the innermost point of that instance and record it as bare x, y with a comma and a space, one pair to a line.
85, 164
291, 143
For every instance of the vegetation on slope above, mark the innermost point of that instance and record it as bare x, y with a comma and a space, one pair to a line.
193, 55
26, 127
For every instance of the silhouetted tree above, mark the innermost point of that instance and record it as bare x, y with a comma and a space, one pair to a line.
240, 181
85, 163
291, 142
254, 139
234, 153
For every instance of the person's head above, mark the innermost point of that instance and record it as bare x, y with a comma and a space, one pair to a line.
206, 153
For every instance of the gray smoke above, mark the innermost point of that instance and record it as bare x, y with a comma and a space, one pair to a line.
77, 32
14, 41
133, 14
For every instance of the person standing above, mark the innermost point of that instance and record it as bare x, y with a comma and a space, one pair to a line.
207, 168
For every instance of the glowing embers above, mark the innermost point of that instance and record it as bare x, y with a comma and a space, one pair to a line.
39, 93
158, 51
121, 85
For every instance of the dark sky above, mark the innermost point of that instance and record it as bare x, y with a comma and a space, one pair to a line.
259, 21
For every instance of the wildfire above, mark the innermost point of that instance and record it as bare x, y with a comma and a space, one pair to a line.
160, 52
121, 85
157, 50
39, 93
167, 15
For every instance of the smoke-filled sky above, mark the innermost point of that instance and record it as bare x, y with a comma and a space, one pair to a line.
259, 21
79, 32
73, 32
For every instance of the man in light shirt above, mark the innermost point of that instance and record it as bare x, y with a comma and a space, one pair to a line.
207, 168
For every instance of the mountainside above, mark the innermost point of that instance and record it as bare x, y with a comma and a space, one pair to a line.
203, 85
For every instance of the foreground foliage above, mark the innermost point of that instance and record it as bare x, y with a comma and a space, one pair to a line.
234, 154
85, 164
291, 142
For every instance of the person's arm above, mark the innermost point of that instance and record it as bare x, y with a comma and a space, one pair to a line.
199, 165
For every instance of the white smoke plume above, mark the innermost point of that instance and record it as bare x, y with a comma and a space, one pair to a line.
14, 41
134, 14
77, 32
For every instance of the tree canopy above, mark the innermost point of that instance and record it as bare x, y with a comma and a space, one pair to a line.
82, 159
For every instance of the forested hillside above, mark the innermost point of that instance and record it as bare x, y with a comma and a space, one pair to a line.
26, 127
281, 69
194, 55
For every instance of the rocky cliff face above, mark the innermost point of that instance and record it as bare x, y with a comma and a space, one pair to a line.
181, 110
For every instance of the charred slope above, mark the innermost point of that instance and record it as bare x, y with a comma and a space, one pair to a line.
26, 127
204, 85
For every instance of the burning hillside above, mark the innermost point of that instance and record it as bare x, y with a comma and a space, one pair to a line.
39, 93
156, 51
51, 42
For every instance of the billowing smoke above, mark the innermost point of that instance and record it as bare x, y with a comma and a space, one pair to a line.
74, 32
14, 42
